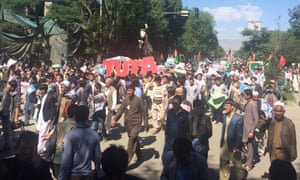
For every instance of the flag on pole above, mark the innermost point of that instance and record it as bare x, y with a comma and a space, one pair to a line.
176, 56
161, 57
282, 61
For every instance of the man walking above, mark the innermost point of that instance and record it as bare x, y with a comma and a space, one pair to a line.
250, 123
81, 145
282, 136
134, 110
231, 142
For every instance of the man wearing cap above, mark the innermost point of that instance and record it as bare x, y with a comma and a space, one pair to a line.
282, 136
231, 142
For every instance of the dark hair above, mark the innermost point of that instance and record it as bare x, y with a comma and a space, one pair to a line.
13, 84
281, 169
98, 86
28, 137
248, 92
43, 87
72, 109
114, 161
157, 79
82, 83
182, 146
131, 86
82, 113
229, 101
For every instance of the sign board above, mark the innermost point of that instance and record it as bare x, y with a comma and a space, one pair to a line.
254, 64
123, 67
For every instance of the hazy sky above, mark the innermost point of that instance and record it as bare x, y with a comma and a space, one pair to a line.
232, 16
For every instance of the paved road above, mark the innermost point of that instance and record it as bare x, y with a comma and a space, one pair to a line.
150, 167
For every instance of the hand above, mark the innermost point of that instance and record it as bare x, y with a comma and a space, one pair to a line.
236, 150
250, 135
113, 123
49, 121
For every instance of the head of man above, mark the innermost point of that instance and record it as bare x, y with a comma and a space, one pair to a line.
229, 106
176, 102
43, 88
182, 147
157, 80
82, 114
27, 146
114, 162
248, 94
12, 85
130, 91
279, 111
108, 82
199, 107
218, 81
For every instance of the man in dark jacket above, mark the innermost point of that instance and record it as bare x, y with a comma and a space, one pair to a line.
134, 110
231, 142
10, 111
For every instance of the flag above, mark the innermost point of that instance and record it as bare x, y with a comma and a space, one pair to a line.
229, 55
198, 58
282, 61
176, 56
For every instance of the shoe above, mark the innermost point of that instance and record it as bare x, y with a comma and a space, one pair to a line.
265, 175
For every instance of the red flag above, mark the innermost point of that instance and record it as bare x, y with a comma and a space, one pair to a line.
282, 61
199, 56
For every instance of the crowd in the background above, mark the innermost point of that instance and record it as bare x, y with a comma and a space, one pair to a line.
74, 108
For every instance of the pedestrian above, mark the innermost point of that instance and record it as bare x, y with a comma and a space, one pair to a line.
114, 164
177, 124
46, 121
251, 117
9, 112
111, 99
182, 162
30, 100
282, 136
98, 102
158, 98
200, 127
134, 110
81, 146
27, 164
231, 142
62, 129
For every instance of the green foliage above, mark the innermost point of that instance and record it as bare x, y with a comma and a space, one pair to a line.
295, 21
257, 43
272, 70
199, 35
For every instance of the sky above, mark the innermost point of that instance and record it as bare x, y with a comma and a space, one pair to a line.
232, 16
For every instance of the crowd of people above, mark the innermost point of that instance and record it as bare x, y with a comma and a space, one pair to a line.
74, 109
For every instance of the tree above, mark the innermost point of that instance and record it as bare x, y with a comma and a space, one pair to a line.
199, 35
257, 43
295, 21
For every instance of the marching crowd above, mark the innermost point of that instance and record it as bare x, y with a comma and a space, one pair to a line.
73, 110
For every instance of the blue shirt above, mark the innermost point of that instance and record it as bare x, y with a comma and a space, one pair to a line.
81, 145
